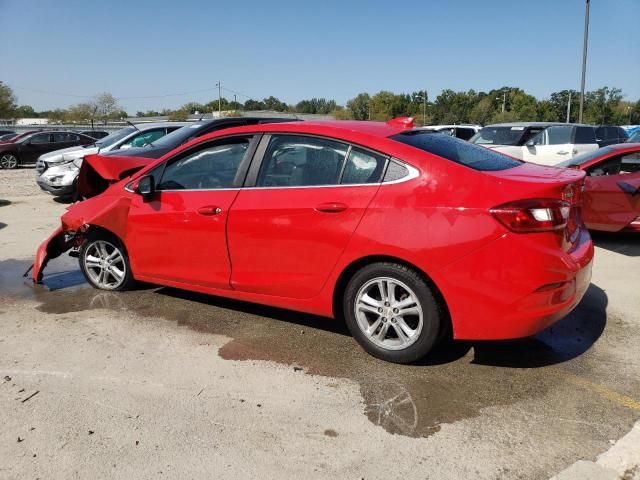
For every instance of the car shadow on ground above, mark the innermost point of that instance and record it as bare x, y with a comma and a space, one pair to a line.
625, 243
64, 200
280, 314
4, 203
566, 339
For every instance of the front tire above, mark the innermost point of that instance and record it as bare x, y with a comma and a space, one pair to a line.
392, 312
8, 161
105, 264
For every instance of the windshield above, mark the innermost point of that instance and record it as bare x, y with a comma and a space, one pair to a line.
177, 137
456, 150
498, 136
585, 157
114, 137
635, 138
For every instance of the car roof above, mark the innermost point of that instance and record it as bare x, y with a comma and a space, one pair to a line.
147, 126
537, 124
455, 125
624, 146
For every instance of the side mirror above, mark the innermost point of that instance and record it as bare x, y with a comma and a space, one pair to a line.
146, 186
530, 143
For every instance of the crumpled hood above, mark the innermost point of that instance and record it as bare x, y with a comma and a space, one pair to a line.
98, 172
70, 153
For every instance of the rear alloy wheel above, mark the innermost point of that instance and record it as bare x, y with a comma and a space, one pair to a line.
8, 161
105, 264
392, 312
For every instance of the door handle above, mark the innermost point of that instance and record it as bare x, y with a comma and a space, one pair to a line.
562, 152
209, 210
331, 207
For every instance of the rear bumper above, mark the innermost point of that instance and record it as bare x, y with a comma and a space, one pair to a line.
55, 190
516, 287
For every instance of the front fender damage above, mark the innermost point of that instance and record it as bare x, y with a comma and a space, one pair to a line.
106, 212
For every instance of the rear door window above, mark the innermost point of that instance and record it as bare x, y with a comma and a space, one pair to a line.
456, 150
558, 135
298, 161
464, 133
41, 138
585, 135
363, 167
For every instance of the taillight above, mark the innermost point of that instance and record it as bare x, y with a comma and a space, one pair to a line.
533, 215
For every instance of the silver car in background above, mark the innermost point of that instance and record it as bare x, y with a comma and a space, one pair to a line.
56, 172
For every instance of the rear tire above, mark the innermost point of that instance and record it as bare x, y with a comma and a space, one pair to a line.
392, 312
8, 161
105, 264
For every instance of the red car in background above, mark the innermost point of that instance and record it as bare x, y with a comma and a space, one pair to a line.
612, 187
405, 233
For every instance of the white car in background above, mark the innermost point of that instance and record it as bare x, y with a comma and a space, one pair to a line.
463, 132
542, 143
57, 171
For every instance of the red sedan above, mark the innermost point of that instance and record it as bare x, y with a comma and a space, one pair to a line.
612, 187
404, 233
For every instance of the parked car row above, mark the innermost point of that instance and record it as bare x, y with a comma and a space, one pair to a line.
547, 143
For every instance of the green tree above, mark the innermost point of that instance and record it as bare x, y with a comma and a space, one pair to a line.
558, 106
25, 111
193, 107
7, 101
600, 105
254, 105
272, 103
359, 106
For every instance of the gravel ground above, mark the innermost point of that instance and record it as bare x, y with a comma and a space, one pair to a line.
18, 183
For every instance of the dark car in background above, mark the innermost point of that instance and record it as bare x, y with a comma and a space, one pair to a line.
97, 134
6, 132
610, 135
167, 143
7, 136
26, 148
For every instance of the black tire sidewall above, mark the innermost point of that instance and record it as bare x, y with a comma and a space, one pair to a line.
431, 311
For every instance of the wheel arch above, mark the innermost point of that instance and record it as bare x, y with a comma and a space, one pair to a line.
350, 270
98, 231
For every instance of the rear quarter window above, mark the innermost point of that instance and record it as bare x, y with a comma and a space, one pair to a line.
456, 150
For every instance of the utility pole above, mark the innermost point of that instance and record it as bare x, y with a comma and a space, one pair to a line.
584, 58
569, 107
219, 85
424, 108
504, 101
235, 103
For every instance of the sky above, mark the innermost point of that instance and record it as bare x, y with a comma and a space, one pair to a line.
54, 53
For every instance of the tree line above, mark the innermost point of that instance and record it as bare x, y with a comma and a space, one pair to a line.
601, 106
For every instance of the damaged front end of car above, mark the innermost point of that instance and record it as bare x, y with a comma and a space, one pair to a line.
101, 209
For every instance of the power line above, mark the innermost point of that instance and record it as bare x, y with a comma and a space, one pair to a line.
74, 95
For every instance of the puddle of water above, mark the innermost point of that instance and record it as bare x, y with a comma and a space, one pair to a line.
455, 383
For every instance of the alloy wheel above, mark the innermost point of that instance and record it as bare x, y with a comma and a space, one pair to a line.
8, 161
389, 313
105, 264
